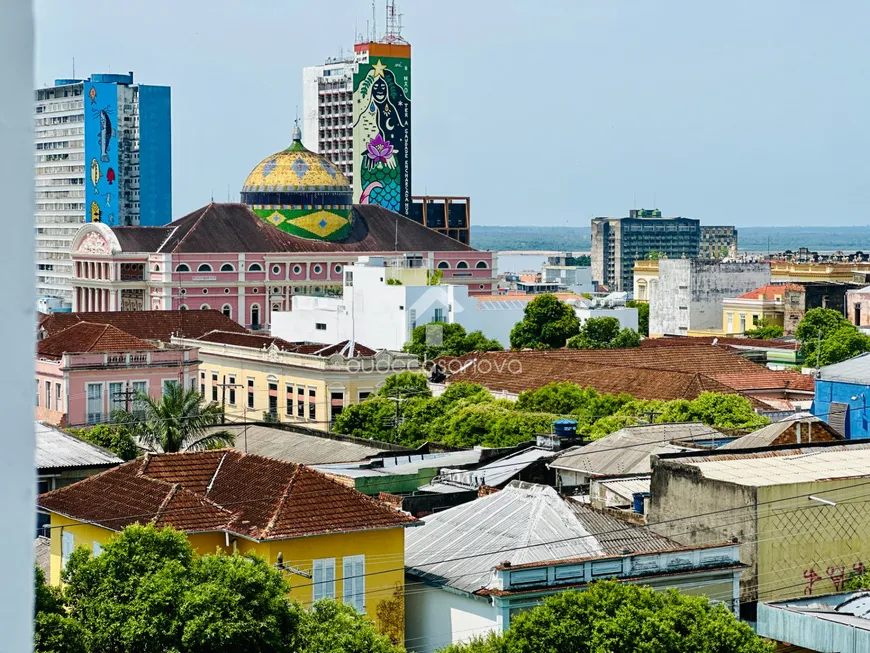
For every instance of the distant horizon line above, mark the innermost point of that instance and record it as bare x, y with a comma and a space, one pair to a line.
736, 226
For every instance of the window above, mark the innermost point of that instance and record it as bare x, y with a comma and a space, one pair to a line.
255, 267
227, 310
183, 291
67, 546
48, 395
363, 395
318, 269
742, 322
297, 269
273, 398
255, 316
182, 267
37, 393
443, 265
165, 385
157, 268
412, 316
57, 402
276, 269
117, 400
250, 393
323, 575
312, 403
183, 307
139, 387
232, 389
205, 307
204, 267
214, 387
205, 291
348, 279
97, 548
481, 265
462, 265
300, 401
202, 383
227, 267
95, 403
730, 318
354, 581
289, 408
226, 291
337, 268
336, 405
320, 326
754, 320
439, 315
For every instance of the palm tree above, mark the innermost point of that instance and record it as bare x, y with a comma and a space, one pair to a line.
179, 421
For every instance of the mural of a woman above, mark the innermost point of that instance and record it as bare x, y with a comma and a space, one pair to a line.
382, 127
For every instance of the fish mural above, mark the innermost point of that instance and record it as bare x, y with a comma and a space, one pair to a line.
95, 212
95, 175
110, 175
111, 218
93, 95
108, 199
105, 134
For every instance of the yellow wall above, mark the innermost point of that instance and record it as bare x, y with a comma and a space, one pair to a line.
773, 316
323, 383
801, 540
384, 552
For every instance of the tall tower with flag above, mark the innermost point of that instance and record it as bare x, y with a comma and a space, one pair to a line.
382, 119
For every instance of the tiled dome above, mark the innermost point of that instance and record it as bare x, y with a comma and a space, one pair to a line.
300, 192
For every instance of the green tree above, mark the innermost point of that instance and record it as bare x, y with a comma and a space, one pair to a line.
331, 627
117, 439
612, 616
604, 333
547, 323
827, 337
147, 592
714, 409
179, 421
452, 341
557, 397
368, 419
642, 316
410, 382
54, 631
765, 330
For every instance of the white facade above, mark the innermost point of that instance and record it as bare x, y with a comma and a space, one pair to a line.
627, 316
436, 618
573, 278
327, 112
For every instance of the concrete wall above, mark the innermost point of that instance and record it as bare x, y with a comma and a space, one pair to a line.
669, 298
691, 509
627, 316
858, 307
435, 618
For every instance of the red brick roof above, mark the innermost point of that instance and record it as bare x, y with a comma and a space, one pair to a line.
224, 490
263, 341
87, 337
725, 342
770, 291
646, 373
149, 325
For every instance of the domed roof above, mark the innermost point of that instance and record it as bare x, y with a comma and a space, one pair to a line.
296, 169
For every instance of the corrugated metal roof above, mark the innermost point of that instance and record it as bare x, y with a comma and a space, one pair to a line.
765, 436
522, 523
408, 464
628, 450
803, 466
492, 474
626, 487
854, 370
298, 447
58, 450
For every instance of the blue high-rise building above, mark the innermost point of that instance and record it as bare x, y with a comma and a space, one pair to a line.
103, 154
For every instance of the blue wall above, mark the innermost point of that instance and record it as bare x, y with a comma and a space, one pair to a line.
101, 159
858, 415
155, 155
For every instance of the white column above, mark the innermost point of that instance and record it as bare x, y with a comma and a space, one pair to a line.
17, 487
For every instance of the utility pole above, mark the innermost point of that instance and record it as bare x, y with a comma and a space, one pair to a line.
223, 386
126, 394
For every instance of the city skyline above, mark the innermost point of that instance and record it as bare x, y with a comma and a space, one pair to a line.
743, 115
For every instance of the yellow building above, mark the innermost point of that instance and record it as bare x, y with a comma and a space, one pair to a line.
334, 541
303, 383
768, 303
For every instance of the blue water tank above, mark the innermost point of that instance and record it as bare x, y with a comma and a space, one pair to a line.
565, 428
638, 498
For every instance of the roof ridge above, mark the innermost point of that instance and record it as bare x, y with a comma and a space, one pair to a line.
193, 227
285, 495
165, 240
173, 490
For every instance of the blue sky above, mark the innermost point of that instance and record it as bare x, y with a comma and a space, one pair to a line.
745, 112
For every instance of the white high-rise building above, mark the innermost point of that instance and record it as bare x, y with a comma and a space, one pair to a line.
102, 154
327, 111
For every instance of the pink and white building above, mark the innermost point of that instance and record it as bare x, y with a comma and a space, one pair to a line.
86, 371
224, 257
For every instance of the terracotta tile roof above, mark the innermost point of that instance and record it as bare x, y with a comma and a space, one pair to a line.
770, 291
232, 228
725, 342
86, 337
148, 325
263, 341
222, 490
646, 373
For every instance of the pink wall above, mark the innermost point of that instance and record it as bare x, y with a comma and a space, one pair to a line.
854, 300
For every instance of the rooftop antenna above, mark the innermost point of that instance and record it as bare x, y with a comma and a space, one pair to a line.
394, 24
74, 68
374, 22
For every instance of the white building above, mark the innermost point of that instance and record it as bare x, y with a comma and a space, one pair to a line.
327, 111
573, 278
383, 301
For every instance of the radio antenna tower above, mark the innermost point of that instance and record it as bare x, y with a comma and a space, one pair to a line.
374, 22
394, 25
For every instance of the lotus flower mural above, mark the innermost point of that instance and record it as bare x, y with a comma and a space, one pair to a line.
379, 150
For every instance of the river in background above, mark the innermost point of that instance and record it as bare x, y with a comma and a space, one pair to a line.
513, 262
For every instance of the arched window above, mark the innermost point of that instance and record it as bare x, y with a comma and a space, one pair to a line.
276, 308
255, 316
157, 268
481, 265
443, 265
227, 267
227, 310
462, 265
205, 307
255, 267
182, 267
183, 307
204, 267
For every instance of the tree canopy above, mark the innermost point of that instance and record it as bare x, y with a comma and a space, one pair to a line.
117, 439
547, 323
148, 592
827, 337
612, 616
604, 333
179, 421
642, 316
451, 340
764, 330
